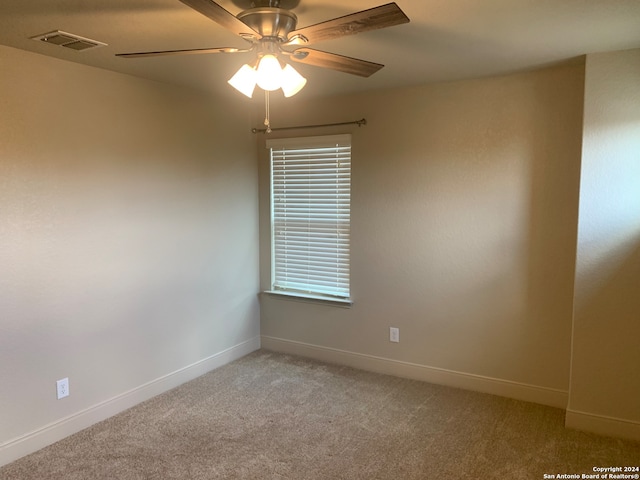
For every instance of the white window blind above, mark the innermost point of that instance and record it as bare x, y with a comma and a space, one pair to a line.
310, 215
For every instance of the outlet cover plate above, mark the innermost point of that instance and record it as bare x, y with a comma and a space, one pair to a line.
394, 334
62, 387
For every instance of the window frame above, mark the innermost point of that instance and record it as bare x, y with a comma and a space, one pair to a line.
339, 297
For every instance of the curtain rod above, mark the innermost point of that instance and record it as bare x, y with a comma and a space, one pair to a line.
356, 122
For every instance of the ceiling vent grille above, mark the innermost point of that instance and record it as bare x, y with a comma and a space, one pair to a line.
68, 40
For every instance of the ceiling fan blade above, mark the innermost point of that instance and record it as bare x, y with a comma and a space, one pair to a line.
190, 51
218, 14
334, 61
372, 19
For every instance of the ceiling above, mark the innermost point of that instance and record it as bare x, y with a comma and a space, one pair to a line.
445, 40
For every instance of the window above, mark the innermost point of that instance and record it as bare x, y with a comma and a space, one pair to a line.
310, 216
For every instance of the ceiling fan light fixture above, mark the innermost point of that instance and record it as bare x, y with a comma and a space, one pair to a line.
245, 80
292, 81
269, 73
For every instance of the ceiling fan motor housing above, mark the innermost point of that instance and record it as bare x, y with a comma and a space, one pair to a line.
270, 22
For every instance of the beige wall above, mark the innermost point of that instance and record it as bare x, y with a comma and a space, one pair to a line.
128, 235
464, 217
605, 373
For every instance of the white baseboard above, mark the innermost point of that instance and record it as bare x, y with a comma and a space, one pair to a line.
602, 425
33, 441
478, 383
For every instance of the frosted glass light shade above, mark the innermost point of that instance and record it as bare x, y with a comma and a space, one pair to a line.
269, 73
244, 80
292, 81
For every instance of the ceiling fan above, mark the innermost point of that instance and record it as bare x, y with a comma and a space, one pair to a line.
271, 28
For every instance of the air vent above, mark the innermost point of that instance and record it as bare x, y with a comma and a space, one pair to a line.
68, 40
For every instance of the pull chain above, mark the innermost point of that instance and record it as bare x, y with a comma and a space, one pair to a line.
267, 122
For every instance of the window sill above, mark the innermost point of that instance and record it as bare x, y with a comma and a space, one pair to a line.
309, 298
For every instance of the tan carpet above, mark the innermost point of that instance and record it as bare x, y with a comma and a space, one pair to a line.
273, 416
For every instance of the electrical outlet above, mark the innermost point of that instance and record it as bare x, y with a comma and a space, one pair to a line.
394, 334
62, 387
